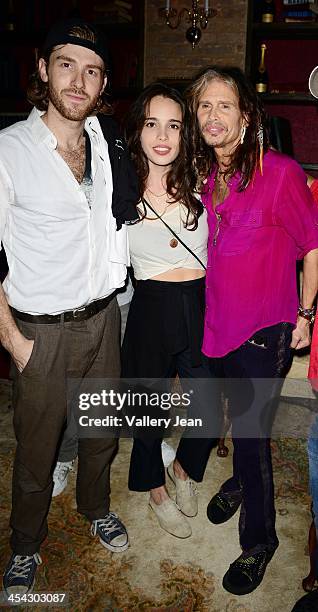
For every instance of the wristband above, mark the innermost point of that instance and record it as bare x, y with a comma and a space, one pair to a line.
307, 313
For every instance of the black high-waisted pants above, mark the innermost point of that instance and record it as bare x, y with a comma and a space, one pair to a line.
163, 338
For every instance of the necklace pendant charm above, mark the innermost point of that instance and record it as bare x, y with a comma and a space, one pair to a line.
173, 243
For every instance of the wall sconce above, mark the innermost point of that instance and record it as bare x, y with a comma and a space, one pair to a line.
197, 16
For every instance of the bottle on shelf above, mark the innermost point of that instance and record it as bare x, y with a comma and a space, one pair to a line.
9, 21
268, 11
261, 81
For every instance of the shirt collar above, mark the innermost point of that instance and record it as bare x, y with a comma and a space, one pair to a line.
39, 130
41, 133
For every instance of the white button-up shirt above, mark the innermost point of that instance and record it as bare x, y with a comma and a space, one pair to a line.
61, 253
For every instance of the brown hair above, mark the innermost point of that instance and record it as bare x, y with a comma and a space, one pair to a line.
246, 156
37, 92
181, 178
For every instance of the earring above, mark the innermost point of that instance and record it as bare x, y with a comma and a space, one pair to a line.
243, 132
260, 138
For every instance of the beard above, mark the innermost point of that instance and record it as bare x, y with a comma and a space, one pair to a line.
73, 112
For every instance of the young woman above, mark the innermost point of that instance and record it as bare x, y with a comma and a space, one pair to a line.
165, 322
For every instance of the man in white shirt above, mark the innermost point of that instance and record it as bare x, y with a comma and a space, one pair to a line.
58, 314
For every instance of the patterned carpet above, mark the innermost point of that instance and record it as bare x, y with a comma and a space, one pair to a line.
159, 572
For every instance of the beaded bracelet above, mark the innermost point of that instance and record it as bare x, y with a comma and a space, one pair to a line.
307, 313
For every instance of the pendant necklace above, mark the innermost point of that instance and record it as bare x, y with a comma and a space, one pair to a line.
173, 243
220, 190
218, 196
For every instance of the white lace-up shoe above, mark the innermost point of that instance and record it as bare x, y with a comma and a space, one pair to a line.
168, 453
60, 476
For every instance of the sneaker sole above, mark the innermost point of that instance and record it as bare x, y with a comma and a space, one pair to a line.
173, 480
57, 493
115, 549
8, 594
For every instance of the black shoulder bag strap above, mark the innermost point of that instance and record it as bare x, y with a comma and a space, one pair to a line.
88, 159
174, 234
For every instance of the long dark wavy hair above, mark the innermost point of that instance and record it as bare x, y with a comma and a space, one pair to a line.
181, 177
38, 90
246, 156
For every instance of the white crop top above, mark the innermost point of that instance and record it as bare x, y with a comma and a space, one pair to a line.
149, 243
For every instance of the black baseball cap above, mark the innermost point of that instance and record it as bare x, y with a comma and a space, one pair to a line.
62, 33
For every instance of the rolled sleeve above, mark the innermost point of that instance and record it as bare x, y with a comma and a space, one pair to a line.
296, 211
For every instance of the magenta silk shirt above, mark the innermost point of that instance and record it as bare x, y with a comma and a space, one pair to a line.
252, 252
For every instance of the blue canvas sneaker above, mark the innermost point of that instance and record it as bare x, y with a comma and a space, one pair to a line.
111, 532
20, 572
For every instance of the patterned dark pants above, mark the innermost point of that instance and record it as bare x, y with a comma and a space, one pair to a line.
252, 403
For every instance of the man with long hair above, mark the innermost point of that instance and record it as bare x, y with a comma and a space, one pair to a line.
262, 218
63, 212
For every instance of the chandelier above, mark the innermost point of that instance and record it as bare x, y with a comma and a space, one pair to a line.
197, 16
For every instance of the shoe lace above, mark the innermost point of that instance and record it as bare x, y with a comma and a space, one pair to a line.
108, 524
22, 564
193, 489
62, 470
